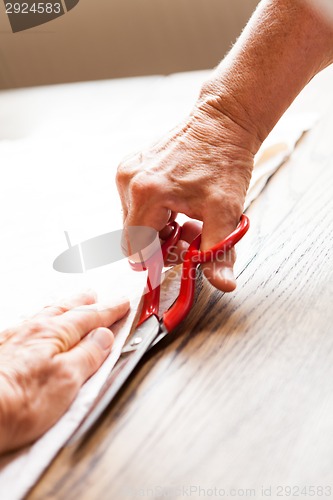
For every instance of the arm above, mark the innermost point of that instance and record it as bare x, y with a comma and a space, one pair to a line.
203, 167
284, 45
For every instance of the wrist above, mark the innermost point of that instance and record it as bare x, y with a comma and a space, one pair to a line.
220, 104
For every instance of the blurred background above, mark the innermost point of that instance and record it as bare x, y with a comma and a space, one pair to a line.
102, 39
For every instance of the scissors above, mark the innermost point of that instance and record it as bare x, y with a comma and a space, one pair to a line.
150, 329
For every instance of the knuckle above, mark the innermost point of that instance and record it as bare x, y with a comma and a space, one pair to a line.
35, 327
124, 173
63, 336
94, 316
61, 344
57, 309
68, 373
137, 186
120, 174
60, 309
143, 185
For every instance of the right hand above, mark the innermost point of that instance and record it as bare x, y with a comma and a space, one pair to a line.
202, 169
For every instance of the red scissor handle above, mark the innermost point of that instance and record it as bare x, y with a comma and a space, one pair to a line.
154, 265
193, 258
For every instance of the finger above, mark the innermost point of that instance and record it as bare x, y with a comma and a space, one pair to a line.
167, 230
5, 335
64, 305
177, 253
147, 207
148, 202
217, 226
87, 356
190, 230
141, 233
75, 324
125, 172
220, 273
155, 217
123, 204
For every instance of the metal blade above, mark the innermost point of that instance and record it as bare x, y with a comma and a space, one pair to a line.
169, 293
169, 288
136, 346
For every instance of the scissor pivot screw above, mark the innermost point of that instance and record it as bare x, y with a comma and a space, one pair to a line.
136, 341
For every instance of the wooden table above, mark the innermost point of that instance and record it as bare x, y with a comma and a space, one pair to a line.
242, 398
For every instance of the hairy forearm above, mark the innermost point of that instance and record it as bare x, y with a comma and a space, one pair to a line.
284, 45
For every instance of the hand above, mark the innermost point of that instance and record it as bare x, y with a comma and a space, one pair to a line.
201, 169
45, 360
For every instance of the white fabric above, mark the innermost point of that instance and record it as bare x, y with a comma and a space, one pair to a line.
59, 150
276, 150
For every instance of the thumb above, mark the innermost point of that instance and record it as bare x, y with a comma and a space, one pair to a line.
216, 227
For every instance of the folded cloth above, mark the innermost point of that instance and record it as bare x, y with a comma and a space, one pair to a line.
276, 149
20, 471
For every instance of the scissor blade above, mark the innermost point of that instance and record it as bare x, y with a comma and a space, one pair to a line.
169, 288
129, 358
169, 293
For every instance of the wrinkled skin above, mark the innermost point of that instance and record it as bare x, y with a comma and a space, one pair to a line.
45, 360
201, 169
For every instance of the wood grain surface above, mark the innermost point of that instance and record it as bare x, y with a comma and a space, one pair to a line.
241, 397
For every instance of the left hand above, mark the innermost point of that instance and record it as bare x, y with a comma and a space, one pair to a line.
45, 360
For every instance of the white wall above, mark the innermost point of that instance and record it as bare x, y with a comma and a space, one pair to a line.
114, 38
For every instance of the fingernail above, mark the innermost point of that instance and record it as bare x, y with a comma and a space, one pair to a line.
103, 337
227, 274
